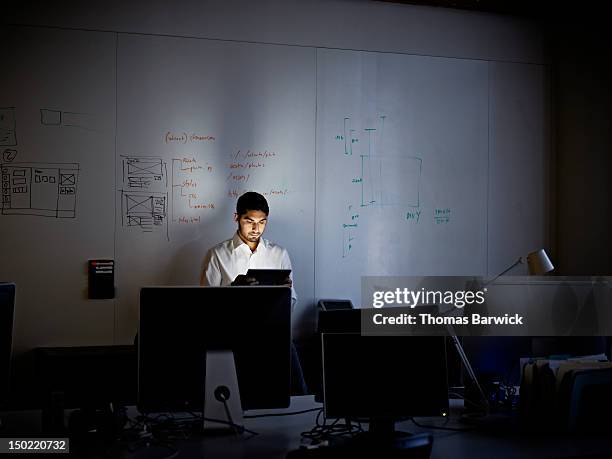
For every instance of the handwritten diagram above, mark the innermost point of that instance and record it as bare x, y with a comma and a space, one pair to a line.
8, 134
390, 180
442, 216
50, 117
42, 189
8, 127
349, 228
144, 197
347, 137
248, 166
386, 179
145, 211
8, 155
186, 176
144, 173
149, 203
160, 193
184, 137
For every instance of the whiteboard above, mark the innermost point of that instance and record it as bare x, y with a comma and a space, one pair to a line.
373, 164
200, 122
402, 144
58, 107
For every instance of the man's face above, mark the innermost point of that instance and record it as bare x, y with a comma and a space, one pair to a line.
251, 225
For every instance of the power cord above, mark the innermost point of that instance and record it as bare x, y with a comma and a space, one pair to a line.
292, 413
322, 432
222, 394
443, 427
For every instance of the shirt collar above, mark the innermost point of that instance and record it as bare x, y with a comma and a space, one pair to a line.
237, 242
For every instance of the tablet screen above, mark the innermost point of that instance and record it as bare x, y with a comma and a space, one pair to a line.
269, 276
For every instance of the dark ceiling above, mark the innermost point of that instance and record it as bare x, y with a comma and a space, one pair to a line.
532, 9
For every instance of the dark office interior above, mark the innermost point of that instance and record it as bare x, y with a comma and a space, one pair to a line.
505, 106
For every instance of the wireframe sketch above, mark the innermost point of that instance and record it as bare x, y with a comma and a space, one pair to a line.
144, 173
50, 117
387, 178
79, 120
145, 211
42, 189
390, 180
8, 127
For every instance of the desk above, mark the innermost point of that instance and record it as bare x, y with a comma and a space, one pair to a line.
278, 435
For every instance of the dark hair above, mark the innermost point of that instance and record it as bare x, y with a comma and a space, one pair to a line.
251, 201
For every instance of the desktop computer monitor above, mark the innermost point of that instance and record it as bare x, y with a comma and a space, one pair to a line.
7, 308
384, 378
180, 325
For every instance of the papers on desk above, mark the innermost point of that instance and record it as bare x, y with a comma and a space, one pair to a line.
552, 389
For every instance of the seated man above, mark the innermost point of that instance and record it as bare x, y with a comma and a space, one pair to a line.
228, 262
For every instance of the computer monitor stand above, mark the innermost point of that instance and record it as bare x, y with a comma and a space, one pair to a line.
381, 440
381, 433
222, 404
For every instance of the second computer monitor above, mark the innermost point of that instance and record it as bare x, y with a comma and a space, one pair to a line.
384, 377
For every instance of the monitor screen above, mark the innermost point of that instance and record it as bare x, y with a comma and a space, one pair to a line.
384, 376
178, 325
7, 307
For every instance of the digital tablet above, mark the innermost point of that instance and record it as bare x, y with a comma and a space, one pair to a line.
269, 276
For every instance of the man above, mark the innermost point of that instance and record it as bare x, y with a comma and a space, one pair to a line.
228, 262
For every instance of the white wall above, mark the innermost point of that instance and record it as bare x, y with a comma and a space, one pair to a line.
583, 71
347, 24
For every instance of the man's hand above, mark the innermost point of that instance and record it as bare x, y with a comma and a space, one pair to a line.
242, 279
288, 282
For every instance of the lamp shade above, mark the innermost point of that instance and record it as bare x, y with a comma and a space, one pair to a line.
538, 263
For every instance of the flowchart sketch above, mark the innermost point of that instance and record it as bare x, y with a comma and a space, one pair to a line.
144, 173
390, 180
42, 189
8, 127
145, 211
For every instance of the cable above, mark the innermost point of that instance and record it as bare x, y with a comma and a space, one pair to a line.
426, 426
472, 402
324, 431
237, 427
146, 439
240, 429
293, 413
229, 416
198, 419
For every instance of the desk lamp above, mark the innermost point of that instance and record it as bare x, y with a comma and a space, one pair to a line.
538, 263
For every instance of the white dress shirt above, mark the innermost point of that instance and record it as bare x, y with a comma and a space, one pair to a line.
225, 261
